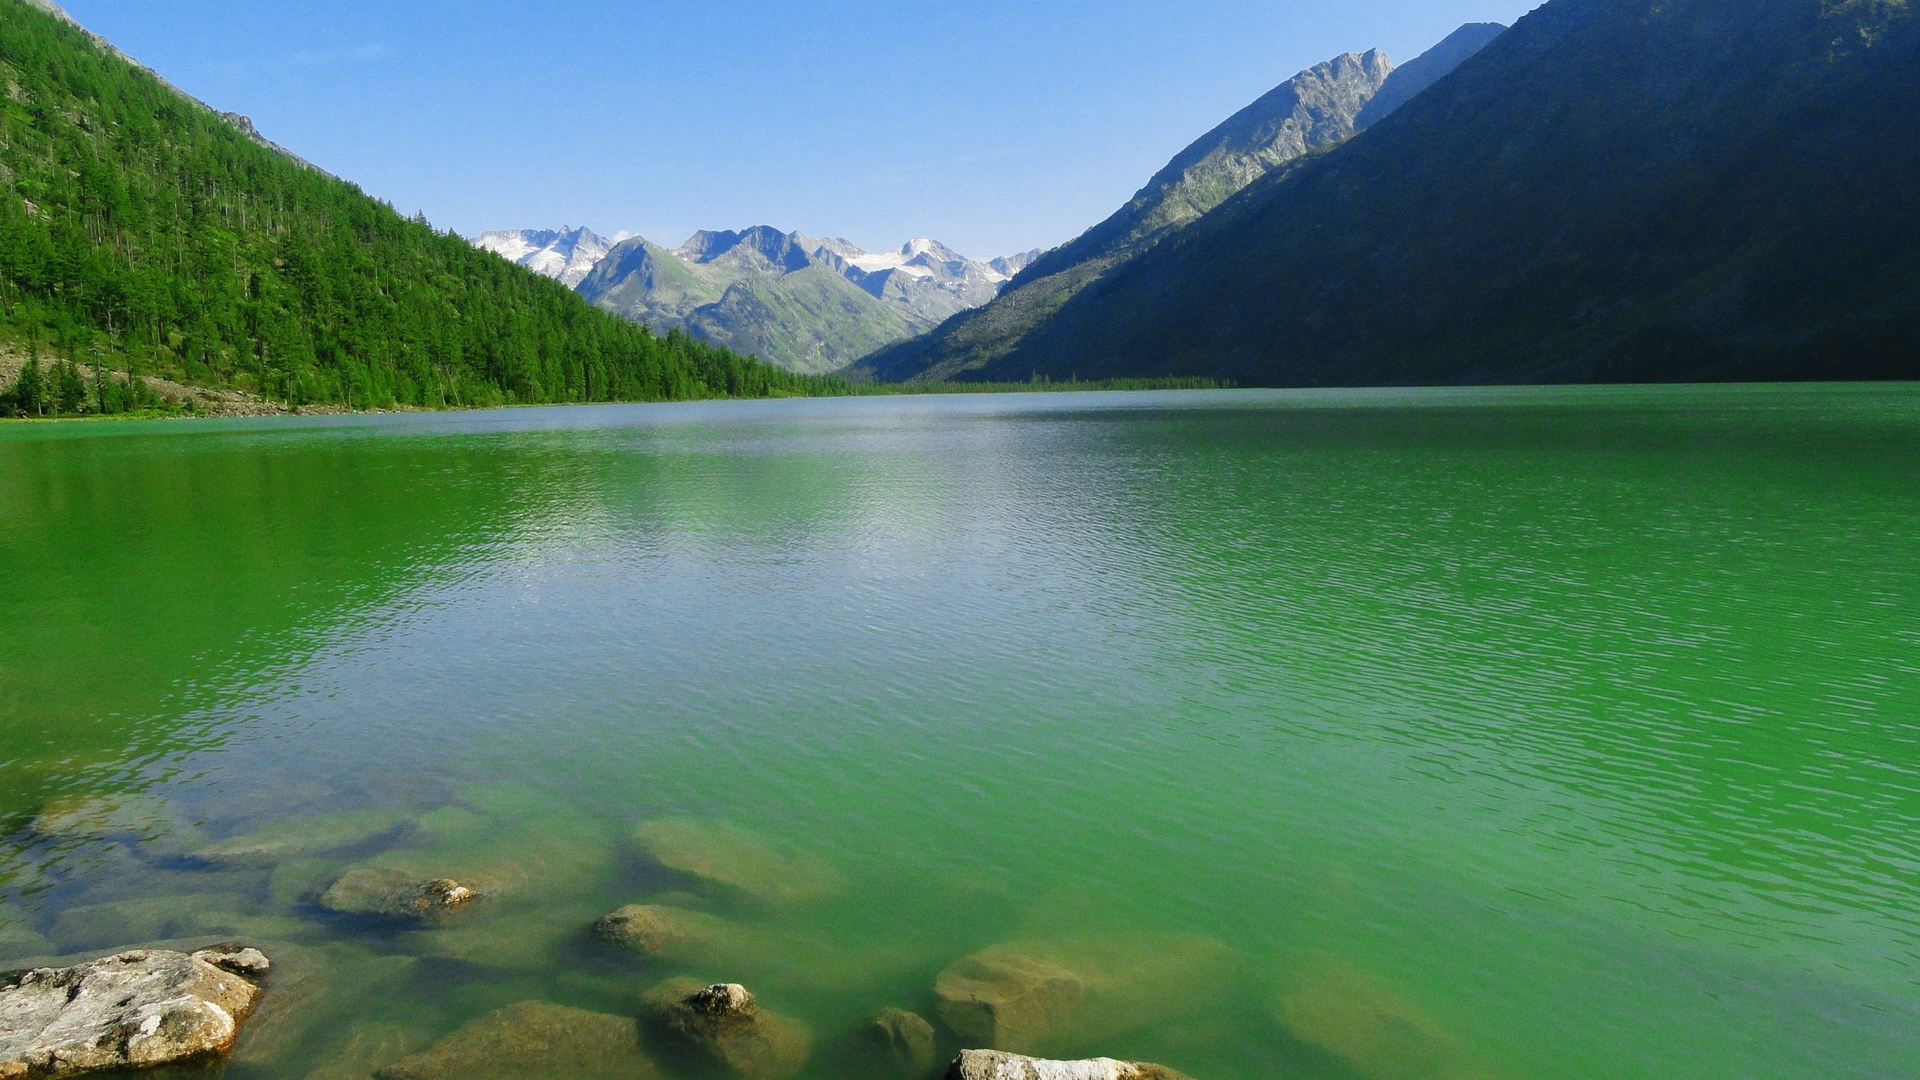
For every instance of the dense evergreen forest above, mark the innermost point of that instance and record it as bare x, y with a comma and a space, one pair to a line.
143, 234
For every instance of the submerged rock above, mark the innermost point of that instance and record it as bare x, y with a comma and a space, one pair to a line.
906, 1038
395, 894
132, 1010
532, 1040
305, 836
95, 817
1379, 1034
738, 860
658, 931
724, 1024
998, 1065
1029, 996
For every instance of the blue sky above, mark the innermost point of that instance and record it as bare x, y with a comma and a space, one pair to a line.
994, 126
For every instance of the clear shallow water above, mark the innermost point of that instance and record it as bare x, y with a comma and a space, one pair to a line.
1493, 733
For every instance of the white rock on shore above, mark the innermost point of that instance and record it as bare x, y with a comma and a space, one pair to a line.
997, 1065
135, 1009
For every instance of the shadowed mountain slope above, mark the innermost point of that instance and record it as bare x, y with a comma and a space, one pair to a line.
1315, 108
1424, 70
1312, 111
1611, 190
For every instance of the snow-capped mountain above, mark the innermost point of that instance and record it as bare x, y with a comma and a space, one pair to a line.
566, 254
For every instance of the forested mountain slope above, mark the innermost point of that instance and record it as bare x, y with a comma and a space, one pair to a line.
1611, 190
140, 230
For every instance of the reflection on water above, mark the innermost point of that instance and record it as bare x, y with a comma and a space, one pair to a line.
1384, 735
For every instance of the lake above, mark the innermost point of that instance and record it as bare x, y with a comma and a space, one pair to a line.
1357, 735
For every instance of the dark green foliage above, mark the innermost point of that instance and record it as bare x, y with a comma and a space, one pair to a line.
1614, 190
142, 234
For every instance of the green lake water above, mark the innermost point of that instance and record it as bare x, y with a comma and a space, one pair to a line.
1386, 735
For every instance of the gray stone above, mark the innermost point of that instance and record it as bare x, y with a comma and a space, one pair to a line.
723, 1023
906, 1037
532, 1040
132, 1010
657, 930
395, 894
236, 959
997, 1065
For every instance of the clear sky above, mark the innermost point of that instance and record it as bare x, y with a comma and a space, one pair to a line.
992, 125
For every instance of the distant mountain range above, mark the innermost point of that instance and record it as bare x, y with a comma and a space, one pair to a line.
806, 304
1316, 109
1612, 190
566, 255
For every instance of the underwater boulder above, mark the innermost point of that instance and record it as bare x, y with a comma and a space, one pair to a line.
739, 861
392, 893
532, 1040
657, 930
99, 817
1379, 1034
305, 836
722, 1023
998, 1065
135, 1009
906, 1038
1032, 996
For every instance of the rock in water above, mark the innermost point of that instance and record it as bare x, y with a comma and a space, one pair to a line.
658, 931
237, 960
724, 1024
133, 1010
738, 860
995, 1065
1379, 1034
906, 1037
393, 894
1035, 996
532, 1040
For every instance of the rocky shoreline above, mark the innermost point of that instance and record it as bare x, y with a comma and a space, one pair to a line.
485, 886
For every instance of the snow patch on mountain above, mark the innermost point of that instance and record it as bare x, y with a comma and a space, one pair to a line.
567, 255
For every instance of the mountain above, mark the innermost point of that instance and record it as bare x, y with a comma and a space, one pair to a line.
805, 304
566, 255
1428, 68
1315, 109
140, 231
1612, 190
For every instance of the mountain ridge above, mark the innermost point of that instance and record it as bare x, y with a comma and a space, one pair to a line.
1613, 190
1315, 109
842, 303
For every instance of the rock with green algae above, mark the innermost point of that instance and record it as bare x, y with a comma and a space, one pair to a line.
532, 1040
155, 918
721, 1024
904, 1038
136, 1009
1036, 996
999, 1065
660, 931
739, 861
304, 836
1376, 1032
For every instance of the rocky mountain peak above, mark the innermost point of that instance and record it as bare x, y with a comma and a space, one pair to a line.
566, 254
